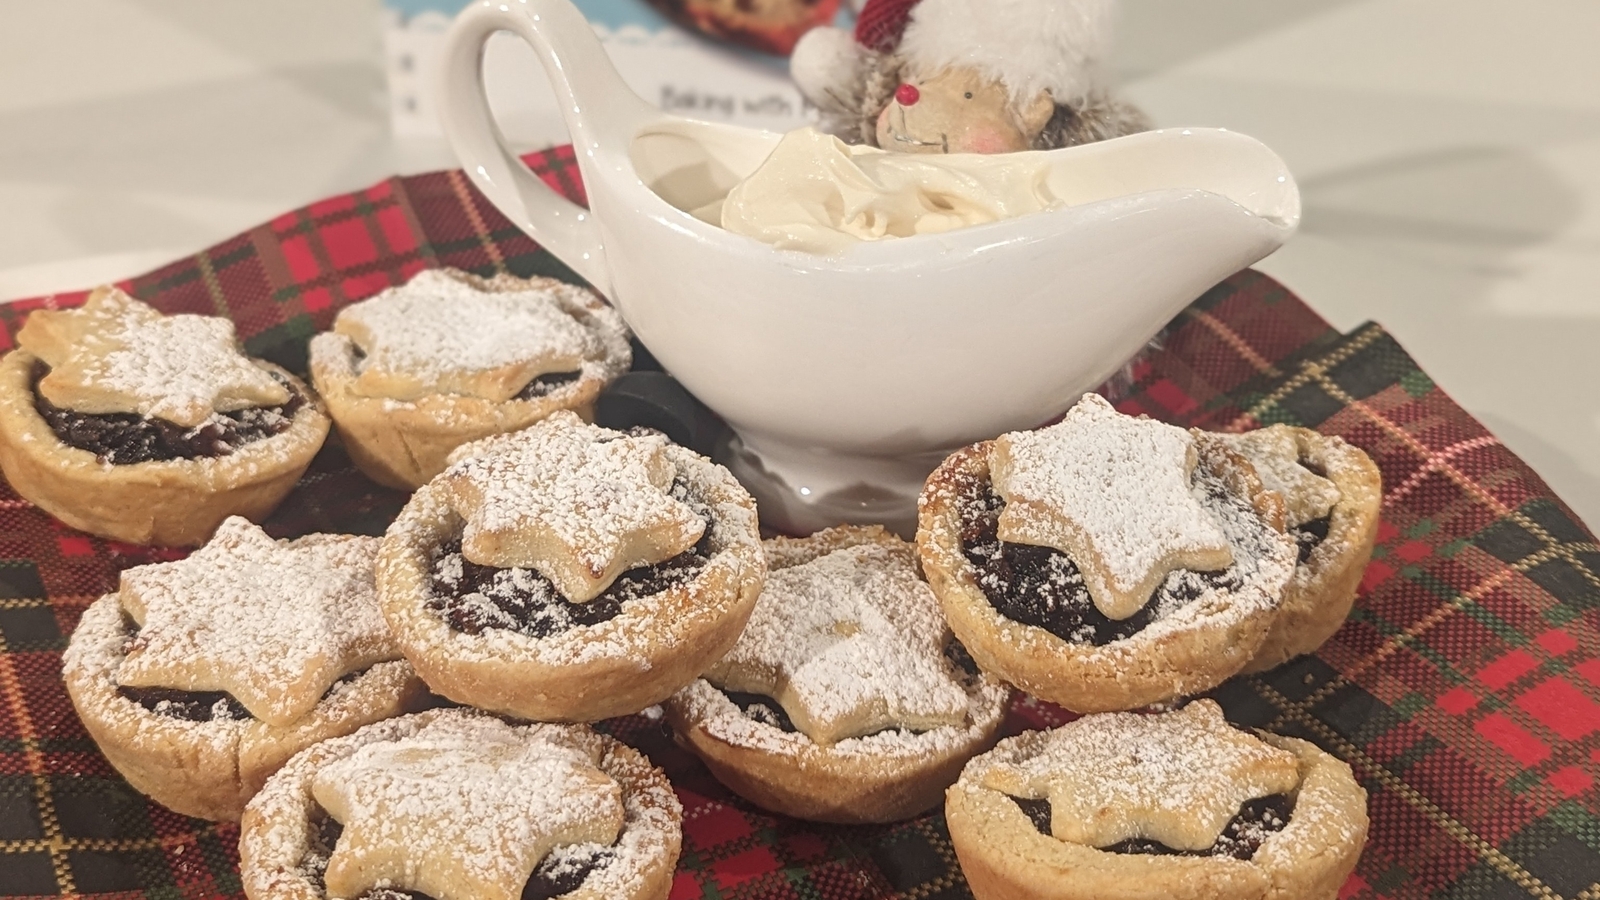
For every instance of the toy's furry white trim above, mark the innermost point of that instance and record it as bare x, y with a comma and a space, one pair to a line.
825, 65
1029, 45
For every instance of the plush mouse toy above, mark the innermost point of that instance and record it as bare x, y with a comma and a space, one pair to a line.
972, 76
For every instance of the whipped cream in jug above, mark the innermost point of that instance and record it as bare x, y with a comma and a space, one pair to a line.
818, 194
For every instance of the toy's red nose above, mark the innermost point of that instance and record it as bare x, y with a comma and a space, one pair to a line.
907, 94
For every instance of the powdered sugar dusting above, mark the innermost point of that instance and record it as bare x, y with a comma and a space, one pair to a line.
651, 830
1177, 778
850, 643
92, 659
118, 355
706, 705
274, 623
439, 333
1263, 561
1263, 564
464, 809
579, 503
1112, 492
279, 848
1275, 454
659, 623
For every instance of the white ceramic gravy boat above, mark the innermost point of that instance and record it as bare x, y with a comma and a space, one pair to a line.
847, 378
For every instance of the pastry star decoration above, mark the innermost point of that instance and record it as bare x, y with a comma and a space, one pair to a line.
849, 644
438, 334
117, 355
464, 813
1111, 492
1275, 453
1177, 777
579, 503
274, 623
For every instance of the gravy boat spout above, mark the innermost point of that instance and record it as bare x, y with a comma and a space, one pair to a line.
846, 378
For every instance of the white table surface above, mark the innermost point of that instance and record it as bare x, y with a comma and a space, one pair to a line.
1448, 151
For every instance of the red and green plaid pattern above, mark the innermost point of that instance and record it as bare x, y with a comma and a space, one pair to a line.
1464, 692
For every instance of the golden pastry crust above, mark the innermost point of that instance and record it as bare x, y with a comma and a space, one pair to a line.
577, 503
1113, 493
1192, 650
209, 769
115, 354
655, 646
1003, 855
880, 778
403, 444
783, 551
1319, 596
176, 503
276, 836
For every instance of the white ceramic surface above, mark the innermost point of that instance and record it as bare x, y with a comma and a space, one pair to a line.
847, 377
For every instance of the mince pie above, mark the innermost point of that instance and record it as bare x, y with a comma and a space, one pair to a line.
1168, 805
568, 572
146, 428
199, 678
458, 805
447, 358
1106, 562
846, 699
1332, 493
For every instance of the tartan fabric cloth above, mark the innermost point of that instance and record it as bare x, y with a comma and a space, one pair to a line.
1464, 691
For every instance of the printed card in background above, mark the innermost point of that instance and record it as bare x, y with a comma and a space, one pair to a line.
667, 65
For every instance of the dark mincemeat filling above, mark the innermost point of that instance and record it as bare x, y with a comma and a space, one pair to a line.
1041, 586
767, 710
128, 438
956, 653
190, 706
194, 706
549, 879
198, 706
541, 386
761, 708
547, 384
1310, 535
474, 599
1256, 821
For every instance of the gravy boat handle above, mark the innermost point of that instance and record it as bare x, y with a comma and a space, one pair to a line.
599, 108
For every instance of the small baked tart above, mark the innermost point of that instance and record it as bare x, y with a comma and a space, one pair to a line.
1332, 495
199, 678
846, 699
568, 572
1106, 562
418, 370
146, 428
1170, 805
458, 805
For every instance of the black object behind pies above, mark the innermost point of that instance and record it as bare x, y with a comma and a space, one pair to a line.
654, 399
